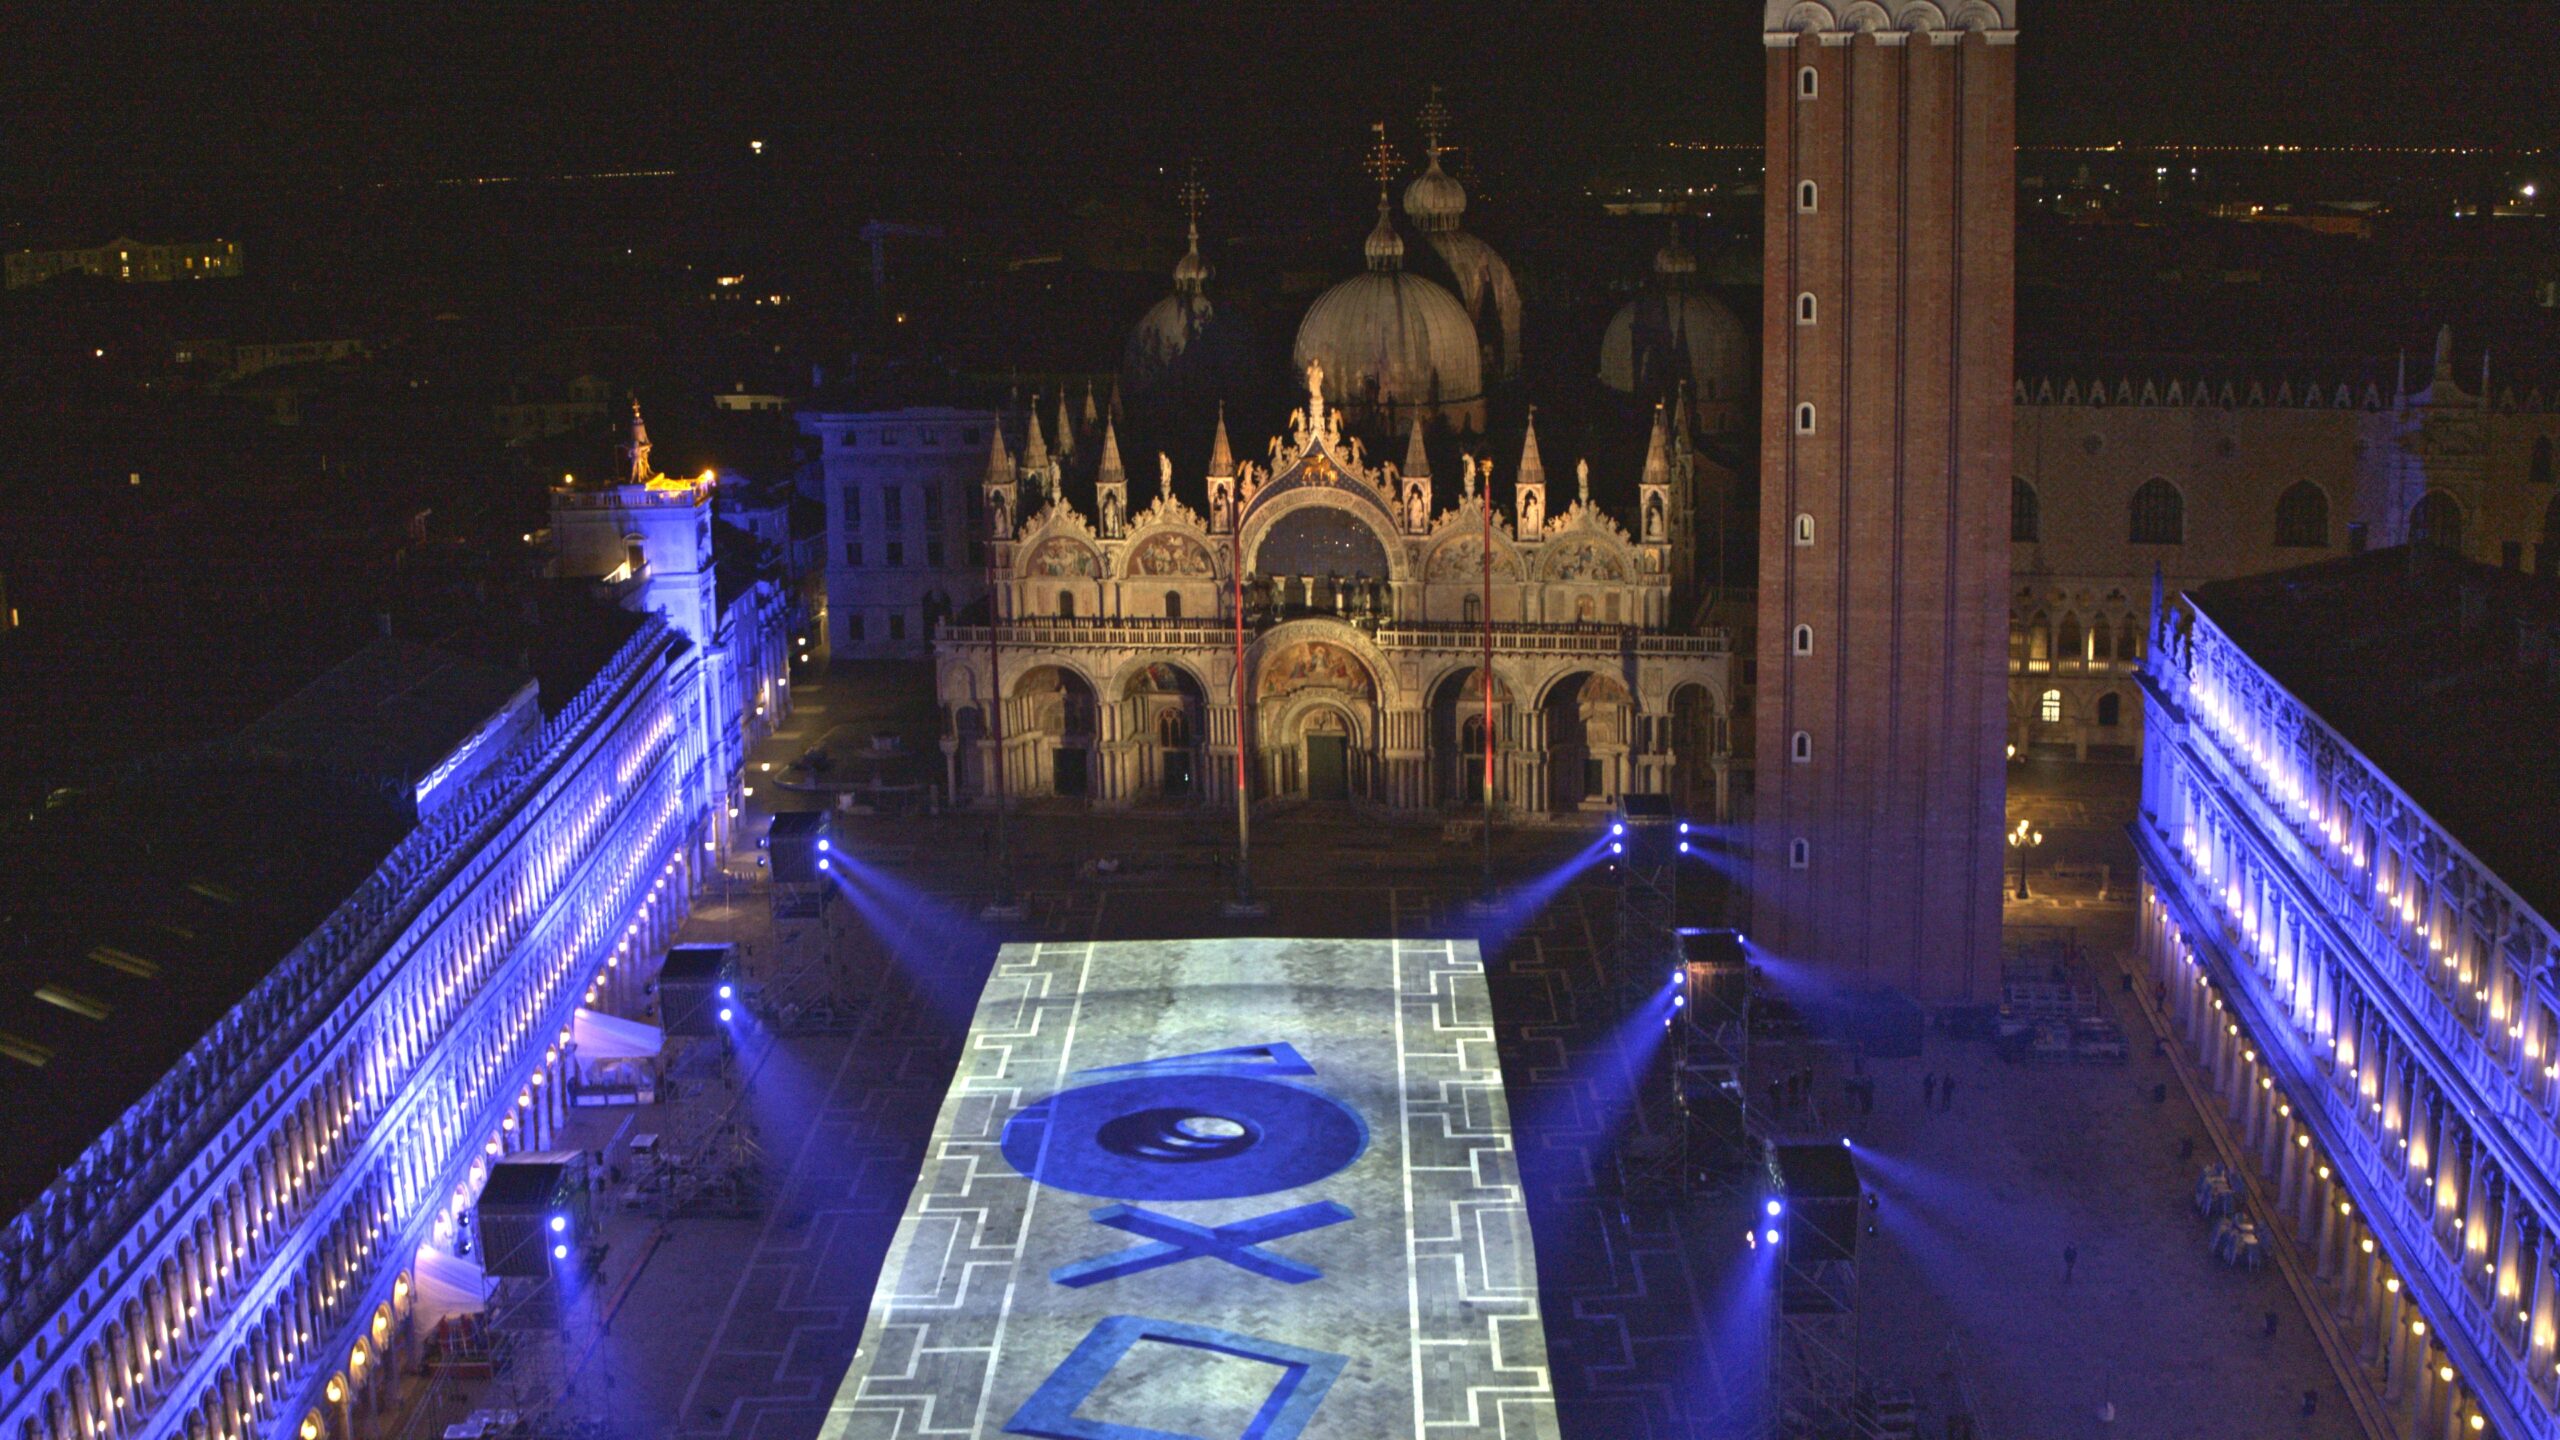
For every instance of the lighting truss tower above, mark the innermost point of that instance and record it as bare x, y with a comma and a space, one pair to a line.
1643, 966
1816, 1391
1711, 1060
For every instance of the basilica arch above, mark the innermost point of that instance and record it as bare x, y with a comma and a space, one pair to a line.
1317, 703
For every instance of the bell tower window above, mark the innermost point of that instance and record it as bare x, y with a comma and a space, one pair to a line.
1808, 197
1808, 83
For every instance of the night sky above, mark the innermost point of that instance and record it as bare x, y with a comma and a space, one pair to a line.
245, 94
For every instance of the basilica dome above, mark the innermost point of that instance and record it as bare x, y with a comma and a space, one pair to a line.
1393, 344
1673, 333
1183, 351
1437, 205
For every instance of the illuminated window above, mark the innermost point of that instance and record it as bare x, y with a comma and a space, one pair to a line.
1804, 529
2049, 707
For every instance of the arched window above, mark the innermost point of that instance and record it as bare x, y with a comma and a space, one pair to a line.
1066, 604
1799, 853
2102, 640
1472, 608
2040, 638
1808, 83
2546, 559
1173, 604
1804, 640
2540, 474
2302, 517
1173, 729
2110, 710
1801, 748
1804, 529
2069, 646
1806, 308
2159, 514
2436, 520
2128, 640
1808, 198
2023, 514
2049, 707
1804, 418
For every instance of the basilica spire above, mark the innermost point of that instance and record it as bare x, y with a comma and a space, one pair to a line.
1222, 458
1111, 472
1657, 451
1417, 460
1066, 428
1035, 451
999, 460
1533, 469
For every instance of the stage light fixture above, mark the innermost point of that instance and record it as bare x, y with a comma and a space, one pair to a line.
1770, 1235
1618, 827
559, 1223
728, 992
724, 1014
1773, 1207
559, 1252
824, 845
1617, 847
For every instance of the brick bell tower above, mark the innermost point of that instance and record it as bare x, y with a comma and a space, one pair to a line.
1888, 315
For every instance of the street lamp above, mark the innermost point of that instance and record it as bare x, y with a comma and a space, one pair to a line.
2022, 840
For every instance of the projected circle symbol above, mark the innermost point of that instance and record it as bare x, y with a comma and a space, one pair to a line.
1184, 1137
1175, 1134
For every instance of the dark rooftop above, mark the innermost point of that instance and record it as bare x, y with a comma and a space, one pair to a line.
389, 713
138, 908
2442, 671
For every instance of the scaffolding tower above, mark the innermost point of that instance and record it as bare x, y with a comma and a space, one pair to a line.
1711, 1060
1816, 1389
1643, 968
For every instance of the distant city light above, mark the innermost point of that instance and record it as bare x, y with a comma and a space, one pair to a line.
755, 147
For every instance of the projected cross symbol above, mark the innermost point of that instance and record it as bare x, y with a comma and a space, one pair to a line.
1175, 1241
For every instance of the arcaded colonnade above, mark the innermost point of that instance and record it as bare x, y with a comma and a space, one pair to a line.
233, 1259
1147, 711
2375, 1011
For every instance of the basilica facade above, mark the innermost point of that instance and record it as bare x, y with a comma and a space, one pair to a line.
1117, 671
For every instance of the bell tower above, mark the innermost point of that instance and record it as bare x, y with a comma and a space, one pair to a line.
1888, 316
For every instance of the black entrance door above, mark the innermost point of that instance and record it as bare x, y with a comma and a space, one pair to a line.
1177, 772
1067, 772
1328, 767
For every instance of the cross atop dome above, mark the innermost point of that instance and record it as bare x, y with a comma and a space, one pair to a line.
1383, 163
1434, 121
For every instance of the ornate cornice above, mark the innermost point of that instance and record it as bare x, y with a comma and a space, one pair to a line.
1831, 21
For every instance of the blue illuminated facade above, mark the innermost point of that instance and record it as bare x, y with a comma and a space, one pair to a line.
2370, 1003
234, 1258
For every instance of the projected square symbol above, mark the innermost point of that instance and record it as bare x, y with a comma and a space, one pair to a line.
1132, 1378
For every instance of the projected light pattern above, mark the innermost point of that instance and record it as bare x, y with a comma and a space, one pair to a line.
1308, 1142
